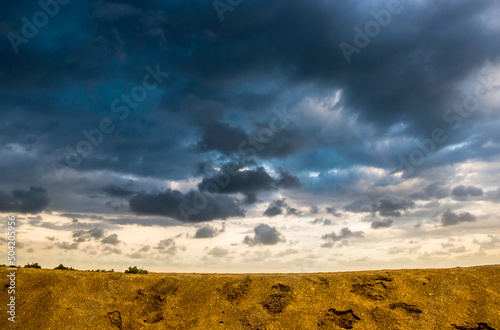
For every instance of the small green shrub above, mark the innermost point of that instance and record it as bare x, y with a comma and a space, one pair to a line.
102, 271
61, 266
135, 270
33, 265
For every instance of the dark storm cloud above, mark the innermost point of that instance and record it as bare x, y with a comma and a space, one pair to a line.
207, 231
34, 200
264, 235
462, 193
249, 182
117, 191
170, 204
382, 223
450, 218
343, 236
221, 137
225, 77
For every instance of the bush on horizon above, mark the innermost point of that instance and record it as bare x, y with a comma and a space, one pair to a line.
135, 270
32, 265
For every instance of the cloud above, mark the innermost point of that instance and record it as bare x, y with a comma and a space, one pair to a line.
432, 191
67, 246
169, 246
111, 239
493, 242
207, 231
333, 211
462, 193
449, 218
81, 235
173, 203
493, 195
264, 235
382, 223
117, 191
343, 236
249, 182
275, 208
392, 207
218, 252
34, 200
324, 222
111, 250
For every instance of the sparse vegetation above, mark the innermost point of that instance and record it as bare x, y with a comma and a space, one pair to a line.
62, 267
135, 270
102, 271
33, 265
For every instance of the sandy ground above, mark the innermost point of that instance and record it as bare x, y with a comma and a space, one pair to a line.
457, 298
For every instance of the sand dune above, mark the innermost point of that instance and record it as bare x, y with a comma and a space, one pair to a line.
458, 298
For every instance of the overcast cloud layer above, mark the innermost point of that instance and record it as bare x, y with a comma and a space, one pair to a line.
253, 135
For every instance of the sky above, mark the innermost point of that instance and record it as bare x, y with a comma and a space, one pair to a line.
251, 135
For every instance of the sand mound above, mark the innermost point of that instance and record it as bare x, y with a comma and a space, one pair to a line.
458, 298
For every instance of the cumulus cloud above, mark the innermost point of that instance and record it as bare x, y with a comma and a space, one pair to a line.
450, 218
264, 235
34, 200
207, 231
